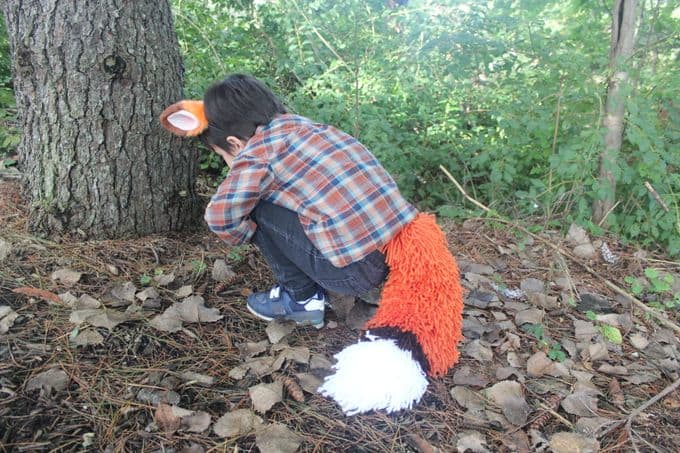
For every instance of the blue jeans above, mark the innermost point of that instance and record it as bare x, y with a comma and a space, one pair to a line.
300, 267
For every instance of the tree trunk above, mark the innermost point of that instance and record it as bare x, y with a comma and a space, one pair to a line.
91, 79
623, 39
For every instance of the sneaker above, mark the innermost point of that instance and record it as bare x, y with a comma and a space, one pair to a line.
278, 304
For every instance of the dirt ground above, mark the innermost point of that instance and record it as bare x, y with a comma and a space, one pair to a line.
541, 367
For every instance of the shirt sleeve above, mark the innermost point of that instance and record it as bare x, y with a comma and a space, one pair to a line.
227, 214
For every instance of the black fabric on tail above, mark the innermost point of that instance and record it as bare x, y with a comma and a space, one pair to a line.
404, 340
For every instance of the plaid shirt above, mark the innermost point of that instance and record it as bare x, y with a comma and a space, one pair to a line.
347, 203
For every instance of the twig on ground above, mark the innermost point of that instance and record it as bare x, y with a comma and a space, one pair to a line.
652, 312
563, 420
656, 195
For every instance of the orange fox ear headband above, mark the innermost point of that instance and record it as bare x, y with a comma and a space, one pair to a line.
185, 118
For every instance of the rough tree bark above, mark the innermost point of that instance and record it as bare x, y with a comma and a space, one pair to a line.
91, 79
623, 39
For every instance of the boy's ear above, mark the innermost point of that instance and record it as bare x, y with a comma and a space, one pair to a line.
185, 118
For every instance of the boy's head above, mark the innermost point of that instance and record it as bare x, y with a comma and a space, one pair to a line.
235, 107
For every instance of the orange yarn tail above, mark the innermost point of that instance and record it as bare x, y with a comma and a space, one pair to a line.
423, 295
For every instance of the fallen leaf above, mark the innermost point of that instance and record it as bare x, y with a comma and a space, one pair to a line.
309, 382
586, 251
278, 330
197, 422
52, 379
320, 362
222, 272
298, 354
539, 364
87, 338
39, 294
100, 317
580, 403
532, 285
592, 427
190, 376
639, 341
5, 250
615, 393
465, 376
236, 423
122, 293
164, 279
264, 396
155, 396
184, 291
565, 442
478, 351
532, 316
86, 301
148, 293
277, 438
250, 349
609, 369
166, 419
7, 318
67, 277
584, 330
598, 351
471, 441
508, 396
467, 398
191, 309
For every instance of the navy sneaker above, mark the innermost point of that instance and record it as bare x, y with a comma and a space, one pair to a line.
278, 304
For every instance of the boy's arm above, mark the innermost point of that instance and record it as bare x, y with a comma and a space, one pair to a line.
228, 212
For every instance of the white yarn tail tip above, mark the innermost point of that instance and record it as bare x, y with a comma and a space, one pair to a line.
375, 375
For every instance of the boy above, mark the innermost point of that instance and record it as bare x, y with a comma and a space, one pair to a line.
322, 210
316, 202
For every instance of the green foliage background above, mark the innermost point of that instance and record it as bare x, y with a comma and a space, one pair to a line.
508, 95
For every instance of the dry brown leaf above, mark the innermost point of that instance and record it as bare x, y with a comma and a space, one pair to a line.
39, 294
573, 443
250, 349
539, 364
87, 338
122, 293
465, 376
148, 293
278, 330
164, 279
184, 291
65, 276
191, 309
236, 423
264, 396
100, 317
277, 438
166, 419
190, 376
508, 396
478, 351
615, 393
309, 382
581, 404
473, 441
7, 318
196, 422
85, 301
222, 272
52, 379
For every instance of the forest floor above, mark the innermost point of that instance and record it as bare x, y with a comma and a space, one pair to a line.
554, 358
